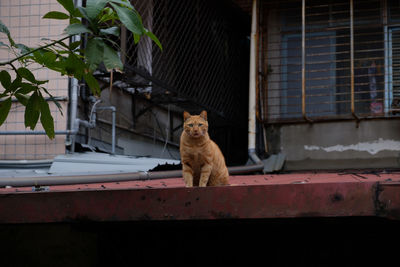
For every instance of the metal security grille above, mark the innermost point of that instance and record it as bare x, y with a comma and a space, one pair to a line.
395, 70
205, 57
328, 60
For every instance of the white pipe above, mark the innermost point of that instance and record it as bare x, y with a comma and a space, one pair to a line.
73, 111
74, 126
252, 86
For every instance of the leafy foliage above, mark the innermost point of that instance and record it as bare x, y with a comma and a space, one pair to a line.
101, 21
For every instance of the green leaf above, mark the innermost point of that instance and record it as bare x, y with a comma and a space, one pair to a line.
93, 7
92, 83
108, 14
38, 56
136, 38
3, 44
123, 2
111, 59
16, 83
74, 45
74, 66
74, 20
94, 52
45, 118
26, 88
23, 48
68, 5
112, 30
49, 58
5, 79
83, 11
4, 109
129, 18
55, 15
41, 82
54, 100
5, 93
4, 29
23, 99
77, 28
57, 104
76, 14
32, 111
26, 74
153, 37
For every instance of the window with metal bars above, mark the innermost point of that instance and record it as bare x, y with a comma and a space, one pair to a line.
330, 59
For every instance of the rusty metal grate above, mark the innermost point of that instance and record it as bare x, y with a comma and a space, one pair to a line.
340, 37
205, 57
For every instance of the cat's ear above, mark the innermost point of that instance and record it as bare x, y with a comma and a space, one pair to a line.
186, 115
203, 114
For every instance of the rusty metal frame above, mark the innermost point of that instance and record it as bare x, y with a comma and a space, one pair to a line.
354, 44
303, 61
352, 107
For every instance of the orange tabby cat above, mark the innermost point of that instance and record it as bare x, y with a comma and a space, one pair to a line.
202, 161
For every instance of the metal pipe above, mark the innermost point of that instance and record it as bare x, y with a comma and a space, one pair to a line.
387, 94
109, 178
74, 86
92, 123
352, 107
74, 124
139, 133
61, 132
25, 164
85, 179
258, 62
56, 98
113, 125
252, 86
88, 124
303, 61
259, 166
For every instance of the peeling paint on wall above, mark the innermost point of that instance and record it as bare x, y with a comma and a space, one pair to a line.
371, 147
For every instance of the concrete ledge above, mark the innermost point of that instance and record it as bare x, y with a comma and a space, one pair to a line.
261, 196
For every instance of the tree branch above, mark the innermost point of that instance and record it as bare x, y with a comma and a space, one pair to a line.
32, 51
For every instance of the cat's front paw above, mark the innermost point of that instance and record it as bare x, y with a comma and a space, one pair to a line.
188, 184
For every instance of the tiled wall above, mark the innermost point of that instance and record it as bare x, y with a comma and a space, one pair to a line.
24, 20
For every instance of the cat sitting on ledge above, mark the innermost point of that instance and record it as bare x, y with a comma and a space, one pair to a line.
203, 163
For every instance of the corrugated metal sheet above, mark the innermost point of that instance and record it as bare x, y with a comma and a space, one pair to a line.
92, 162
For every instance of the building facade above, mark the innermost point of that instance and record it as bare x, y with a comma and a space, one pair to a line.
24, 20
330, 83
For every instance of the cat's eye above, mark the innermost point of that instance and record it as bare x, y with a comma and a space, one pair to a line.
200, 124
190, 125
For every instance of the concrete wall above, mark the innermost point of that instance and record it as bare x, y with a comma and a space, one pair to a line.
337, 145
142, 135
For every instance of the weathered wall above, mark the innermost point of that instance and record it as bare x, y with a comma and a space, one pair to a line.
338, 145
142, 134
